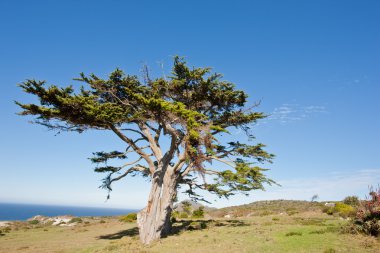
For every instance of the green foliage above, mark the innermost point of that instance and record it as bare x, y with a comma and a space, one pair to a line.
352, 201
76, 219
344, 210
329, 210
197, 225
175, 214
34, 222
192, 107
183, 215
340, 209
199, 213
131, 217
187, 208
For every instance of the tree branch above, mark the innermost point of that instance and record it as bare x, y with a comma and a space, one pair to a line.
135, 168
231, 164
131, 163
155, 149
135, 148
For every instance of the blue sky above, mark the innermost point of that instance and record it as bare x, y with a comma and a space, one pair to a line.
313, 64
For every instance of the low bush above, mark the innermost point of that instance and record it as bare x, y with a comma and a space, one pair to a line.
340, 209
76, 219
197, 225
183, 215
131, 217
367, 218
344, 210
199, 213
352, 201
34, 222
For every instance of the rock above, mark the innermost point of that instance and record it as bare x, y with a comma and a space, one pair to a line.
55, 221
59, 220
5, 223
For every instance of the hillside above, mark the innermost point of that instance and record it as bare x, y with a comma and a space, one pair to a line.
267, 207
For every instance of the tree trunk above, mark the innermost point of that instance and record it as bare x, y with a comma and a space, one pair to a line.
154, 220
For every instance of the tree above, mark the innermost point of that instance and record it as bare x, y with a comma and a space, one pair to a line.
173, 126
314, 197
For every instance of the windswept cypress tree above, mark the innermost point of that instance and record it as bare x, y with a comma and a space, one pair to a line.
179, 122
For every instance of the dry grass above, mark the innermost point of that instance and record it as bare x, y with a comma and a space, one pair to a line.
302, 232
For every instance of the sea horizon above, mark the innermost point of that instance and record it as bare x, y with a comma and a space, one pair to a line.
24, 211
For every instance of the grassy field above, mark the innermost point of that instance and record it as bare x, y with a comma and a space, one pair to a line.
305, 231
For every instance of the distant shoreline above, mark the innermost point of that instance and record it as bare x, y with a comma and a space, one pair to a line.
21, 212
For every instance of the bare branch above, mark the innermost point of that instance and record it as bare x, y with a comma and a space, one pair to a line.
155, 149
132, 169
135, 131
131, 163
158, 134
181, 161
231, 164
137, 149
187, 170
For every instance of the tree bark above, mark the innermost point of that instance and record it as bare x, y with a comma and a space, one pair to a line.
154, 220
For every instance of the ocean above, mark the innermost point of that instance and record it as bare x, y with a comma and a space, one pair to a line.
9, 212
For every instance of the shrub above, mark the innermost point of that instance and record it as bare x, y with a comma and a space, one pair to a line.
7, 229
34, 222
76, 219
330, 210
367, 218
197, 225
341, 209
131, 217
199, 213
183, 215
344, 210
351, 200
175, 214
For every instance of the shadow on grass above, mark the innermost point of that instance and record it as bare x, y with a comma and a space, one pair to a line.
179, 227
128, 232
191, 225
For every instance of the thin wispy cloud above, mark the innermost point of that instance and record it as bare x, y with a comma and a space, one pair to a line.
294, 112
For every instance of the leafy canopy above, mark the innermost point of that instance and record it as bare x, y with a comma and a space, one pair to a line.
191, 108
